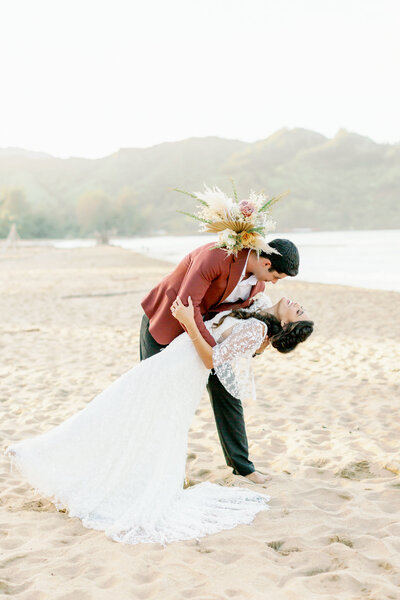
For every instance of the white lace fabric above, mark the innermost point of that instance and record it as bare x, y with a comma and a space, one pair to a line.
260, 303
232, 357
119, 463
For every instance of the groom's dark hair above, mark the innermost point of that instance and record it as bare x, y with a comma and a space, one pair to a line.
287, 261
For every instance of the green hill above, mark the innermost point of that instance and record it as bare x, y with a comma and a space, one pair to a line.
345, 182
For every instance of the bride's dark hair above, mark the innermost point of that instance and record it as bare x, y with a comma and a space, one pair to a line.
284, 339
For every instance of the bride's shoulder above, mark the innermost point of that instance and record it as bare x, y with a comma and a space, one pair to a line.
252, 324
214, 322
249, 324
221, 330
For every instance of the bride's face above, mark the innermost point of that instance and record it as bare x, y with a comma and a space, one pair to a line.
290, 311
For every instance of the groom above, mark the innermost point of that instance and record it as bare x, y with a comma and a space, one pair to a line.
216, 282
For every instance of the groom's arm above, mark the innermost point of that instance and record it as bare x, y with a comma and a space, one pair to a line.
198, 278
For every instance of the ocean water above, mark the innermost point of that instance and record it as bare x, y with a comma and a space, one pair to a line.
368, 259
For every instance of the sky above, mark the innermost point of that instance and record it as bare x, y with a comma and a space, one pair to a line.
85, 78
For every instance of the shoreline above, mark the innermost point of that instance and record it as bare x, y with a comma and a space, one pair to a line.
171, 264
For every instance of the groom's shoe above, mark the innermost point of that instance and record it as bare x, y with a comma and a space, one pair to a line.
257, 477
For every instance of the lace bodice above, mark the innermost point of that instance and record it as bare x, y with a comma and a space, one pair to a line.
260, 302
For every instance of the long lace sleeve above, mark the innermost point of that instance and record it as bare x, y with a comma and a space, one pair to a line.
232, 357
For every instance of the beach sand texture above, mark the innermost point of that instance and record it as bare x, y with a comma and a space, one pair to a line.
325, 426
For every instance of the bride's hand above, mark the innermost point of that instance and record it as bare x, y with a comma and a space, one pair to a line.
184, 314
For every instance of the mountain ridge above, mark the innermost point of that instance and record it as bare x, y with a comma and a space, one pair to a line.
347, 181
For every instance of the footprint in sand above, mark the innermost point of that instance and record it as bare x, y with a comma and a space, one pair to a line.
39, 506
356, 470
340, 540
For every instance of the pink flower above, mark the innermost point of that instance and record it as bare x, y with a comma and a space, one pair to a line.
246, 208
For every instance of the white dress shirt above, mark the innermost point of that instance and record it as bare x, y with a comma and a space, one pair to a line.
243, 289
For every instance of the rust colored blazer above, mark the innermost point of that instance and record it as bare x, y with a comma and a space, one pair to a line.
208, 276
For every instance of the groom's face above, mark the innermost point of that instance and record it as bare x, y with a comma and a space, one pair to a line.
262, 269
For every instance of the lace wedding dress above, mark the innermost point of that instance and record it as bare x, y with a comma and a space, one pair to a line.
119, 463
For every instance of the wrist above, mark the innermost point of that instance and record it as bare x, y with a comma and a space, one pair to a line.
192, 330
185, 325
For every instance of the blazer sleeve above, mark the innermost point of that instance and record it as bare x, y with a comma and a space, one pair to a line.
198, 278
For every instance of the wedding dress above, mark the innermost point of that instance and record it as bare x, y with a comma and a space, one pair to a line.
119, 463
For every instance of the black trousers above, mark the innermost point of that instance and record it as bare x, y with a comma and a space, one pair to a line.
228, 410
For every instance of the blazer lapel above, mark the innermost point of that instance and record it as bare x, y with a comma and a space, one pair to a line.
236, 268
258, 287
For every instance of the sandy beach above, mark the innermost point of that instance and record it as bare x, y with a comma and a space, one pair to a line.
325, 427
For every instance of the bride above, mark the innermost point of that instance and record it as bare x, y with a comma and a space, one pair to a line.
119, 463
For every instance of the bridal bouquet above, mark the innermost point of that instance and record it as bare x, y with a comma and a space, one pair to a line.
239, 223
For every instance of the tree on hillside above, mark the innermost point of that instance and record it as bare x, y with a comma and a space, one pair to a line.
131, 213
96, 214
14, 209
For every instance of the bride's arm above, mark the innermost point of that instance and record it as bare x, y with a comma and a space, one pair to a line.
185, 315
248, 337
